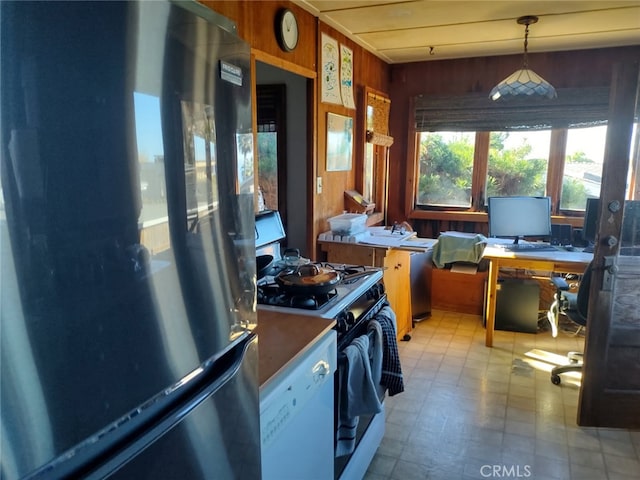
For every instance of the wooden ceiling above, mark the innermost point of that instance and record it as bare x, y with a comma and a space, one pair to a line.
400, 31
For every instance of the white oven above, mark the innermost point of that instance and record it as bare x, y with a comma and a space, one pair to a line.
352, 304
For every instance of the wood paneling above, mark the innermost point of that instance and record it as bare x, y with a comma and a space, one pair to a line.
256, 25
583, 68
368, 71
458, 292
255, 21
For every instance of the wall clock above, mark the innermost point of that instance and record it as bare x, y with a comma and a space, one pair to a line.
287, 30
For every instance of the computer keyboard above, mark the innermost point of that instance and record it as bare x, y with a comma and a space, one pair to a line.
528, 247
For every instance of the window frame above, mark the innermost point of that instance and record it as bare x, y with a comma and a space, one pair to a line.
476, 212
380, 152
576, 107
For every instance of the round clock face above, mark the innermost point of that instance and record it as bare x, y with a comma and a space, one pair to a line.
287, 30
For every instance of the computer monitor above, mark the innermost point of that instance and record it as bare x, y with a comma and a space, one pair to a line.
519, 216
590, 225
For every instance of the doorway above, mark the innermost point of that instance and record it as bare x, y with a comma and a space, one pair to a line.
288, 91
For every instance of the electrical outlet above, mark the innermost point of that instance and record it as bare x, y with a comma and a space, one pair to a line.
318, 184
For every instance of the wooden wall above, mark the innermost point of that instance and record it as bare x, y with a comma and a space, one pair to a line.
255, 20
580, 68
369, 71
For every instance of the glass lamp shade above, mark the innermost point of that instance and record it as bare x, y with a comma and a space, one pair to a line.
521, 83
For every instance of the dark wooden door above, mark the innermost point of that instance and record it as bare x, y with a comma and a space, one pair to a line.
610, 392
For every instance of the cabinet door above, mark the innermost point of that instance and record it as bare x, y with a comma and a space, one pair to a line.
349, 254
396, 280
397, 265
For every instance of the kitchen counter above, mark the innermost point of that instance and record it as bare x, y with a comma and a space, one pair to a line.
283, 338
396, 261
381, 237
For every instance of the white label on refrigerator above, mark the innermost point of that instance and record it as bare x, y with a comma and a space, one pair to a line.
230, 73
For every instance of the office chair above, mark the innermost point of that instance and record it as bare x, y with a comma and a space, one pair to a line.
574, 306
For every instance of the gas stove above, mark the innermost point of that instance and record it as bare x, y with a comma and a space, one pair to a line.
352, 302
272, 297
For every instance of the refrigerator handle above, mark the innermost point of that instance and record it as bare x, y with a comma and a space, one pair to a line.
213, 375
109, 449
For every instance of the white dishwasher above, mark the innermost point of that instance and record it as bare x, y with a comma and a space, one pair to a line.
296, 417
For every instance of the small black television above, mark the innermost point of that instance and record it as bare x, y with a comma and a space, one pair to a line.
519, 216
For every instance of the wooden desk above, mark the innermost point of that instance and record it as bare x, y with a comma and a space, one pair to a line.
560, 261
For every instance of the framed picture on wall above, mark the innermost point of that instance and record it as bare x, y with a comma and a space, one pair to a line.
339, 142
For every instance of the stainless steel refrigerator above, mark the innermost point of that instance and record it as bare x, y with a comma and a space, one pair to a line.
127, 243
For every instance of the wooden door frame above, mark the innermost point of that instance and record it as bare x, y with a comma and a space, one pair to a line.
599, 406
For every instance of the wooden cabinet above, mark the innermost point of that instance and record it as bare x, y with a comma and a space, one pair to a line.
397, 284
396, 278
458, 292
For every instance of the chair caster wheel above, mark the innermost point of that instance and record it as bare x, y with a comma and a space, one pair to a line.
555, 379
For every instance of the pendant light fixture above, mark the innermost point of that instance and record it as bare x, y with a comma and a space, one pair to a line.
523, 82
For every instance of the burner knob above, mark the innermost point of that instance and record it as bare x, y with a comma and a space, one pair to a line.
341, 323
351, 319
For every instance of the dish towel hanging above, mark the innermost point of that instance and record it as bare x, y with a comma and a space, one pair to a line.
391, 368
357, 393
376, 348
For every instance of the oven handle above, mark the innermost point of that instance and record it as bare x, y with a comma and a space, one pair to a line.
352, 333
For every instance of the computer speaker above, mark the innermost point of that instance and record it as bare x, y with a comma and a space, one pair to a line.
561, 234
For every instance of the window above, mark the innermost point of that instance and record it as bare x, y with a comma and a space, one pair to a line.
369, 163
268, 167
583, 166
469, 148
445, 168
271, 106
373, 181
518, 163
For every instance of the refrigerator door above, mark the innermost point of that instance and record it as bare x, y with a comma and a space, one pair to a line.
216, 439
126, 219
212, 432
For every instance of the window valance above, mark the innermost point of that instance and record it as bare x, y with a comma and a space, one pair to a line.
379, 139
477, 112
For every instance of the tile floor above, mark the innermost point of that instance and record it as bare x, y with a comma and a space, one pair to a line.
472, 412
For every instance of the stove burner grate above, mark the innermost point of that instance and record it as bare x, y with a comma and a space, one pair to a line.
273, 294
